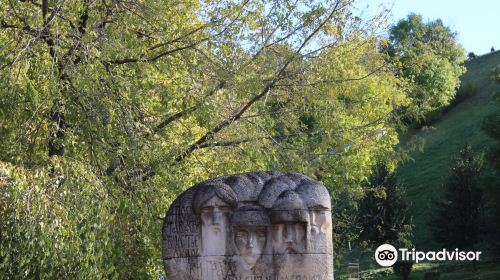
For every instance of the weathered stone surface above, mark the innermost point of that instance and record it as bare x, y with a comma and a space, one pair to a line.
252, 226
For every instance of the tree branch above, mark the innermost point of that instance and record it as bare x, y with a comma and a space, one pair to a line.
5, 25
256, 98
190, 110
172, 118
188, 46
178, 39
331, 81
246, 140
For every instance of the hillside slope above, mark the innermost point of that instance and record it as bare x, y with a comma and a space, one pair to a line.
424, 174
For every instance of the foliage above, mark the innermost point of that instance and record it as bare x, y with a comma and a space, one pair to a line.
430, 59
55, 221
495, 74
345, 205
384, 215
403, 269
457, 221
109, 109
465, 91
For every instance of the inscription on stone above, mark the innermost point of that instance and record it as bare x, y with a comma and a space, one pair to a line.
252, 226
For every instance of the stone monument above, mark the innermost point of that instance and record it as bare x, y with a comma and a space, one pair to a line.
251, 226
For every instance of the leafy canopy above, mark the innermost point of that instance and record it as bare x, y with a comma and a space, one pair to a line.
110, 108
384, 215
430, 58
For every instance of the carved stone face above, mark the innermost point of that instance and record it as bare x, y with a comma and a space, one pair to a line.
289, 238
250, 242
214, 214
321, 230
215, 219
320, 223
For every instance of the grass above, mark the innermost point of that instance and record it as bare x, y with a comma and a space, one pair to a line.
424, 174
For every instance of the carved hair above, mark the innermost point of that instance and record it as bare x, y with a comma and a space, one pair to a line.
315, 195
274, 188
289, 207
250, 216
206, 192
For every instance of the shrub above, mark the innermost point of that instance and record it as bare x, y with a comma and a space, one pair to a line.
403, 269
464, 92
432, 117
384, 211
456, 222
495, 74
66, 224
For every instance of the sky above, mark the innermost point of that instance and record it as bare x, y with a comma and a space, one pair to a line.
476, 22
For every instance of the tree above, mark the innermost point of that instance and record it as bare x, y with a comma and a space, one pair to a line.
110, 108
457, 219
384, 215
430, 59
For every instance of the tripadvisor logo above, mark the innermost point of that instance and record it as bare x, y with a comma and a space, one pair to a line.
387, 255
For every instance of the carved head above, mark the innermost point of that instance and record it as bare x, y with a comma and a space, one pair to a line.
289, 218
250, 226
215, 204
273, 188
317, 201
314, 194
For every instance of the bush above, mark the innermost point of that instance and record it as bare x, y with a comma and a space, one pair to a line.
403, 269
495, 74
464, 92
383, 213
66, 224
457, 216
432, 117
433, 275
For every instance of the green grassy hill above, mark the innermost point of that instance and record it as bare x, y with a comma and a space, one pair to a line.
424, 174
